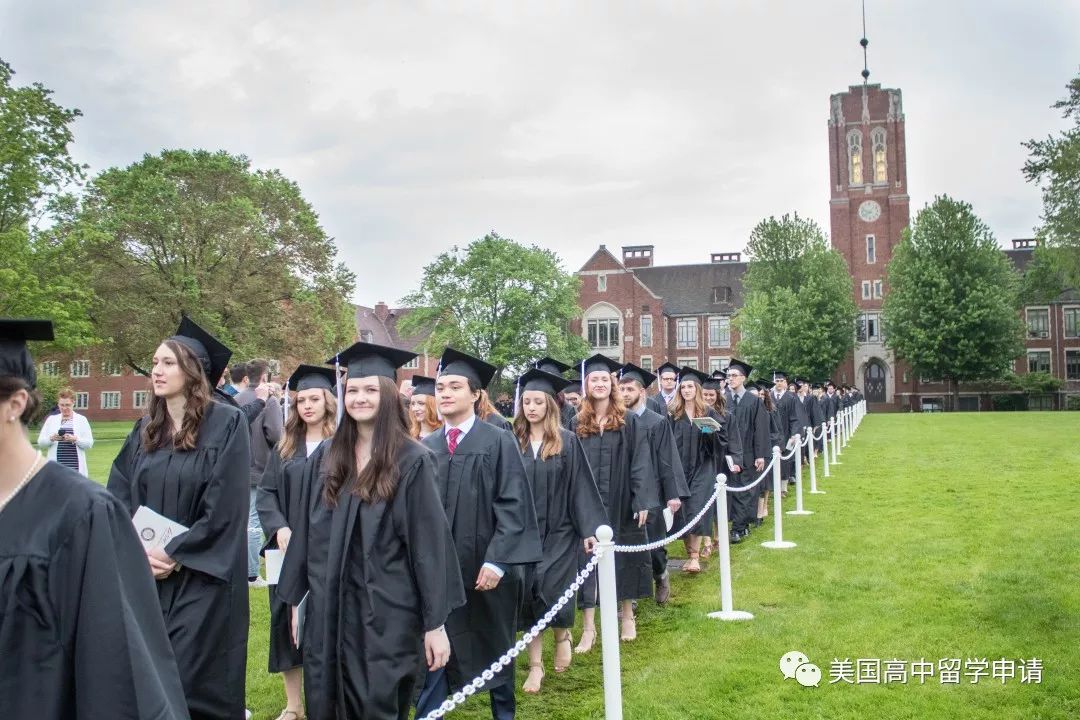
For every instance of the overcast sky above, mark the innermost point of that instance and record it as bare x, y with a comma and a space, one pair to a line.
412, 127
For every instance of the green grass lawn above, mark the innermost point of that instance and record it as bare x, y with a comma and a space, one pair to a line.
941, 536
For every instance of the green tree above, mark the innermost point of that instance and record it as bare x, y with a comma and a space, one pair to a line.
799, 313
1054, 164
239, 250
952, 310
499, 300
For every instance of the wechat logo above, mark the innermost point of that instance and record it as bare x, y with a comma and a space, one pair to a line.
795, 665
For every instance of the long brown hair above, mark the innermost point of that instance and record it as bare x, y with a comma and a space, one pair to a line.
484, 408
431, 418
295, 434
587, 421
720, 405
766, 397
552, 442
157, 433
678, 405
379, 478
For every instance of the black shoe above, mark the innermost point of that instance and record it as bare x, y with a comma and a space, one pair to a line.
663, 590
757, 523
746, 532
736, 537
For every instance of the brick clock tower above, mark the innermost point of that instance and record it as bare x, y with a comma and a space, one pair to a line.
868, 212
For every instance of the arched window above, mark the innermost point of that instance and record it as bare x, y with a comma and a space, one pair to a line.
601, 328
854, 143
877, 141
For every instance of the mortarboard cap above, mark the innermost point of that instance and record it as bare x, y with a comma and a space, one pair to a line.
741, 367
15, 358
310, 377
630, 371
712, 383
454, 362
689, 373
551, 365
666, 367
423, 385
536, 379
779, 375
210, 352
366, 360
598, 363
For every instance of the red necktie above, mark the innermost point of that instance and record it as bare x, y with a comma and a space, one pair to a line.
452, 437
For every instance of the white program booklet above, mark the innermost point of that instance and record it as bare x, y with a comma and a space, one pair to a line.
669, 518
274, 560
301, 619
155, 530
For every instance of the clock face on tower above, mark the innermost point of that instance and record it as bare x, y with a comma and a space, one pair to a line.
869, 211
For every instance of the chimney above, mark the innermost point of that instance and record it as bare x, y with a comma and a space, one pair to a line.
382, 311
635, 256
719, 258
1025, 243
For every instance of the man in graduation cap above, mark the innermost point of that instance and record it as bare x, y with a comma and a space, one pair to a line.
671, 487
784, 402
669, 387
566, 410
802, 410
493, 520
748, 445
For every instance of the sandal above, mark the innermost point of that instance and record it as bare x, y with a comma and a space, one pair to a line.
562, 662
287, 714
629, 629
588, 637
692, 566
533, 687
706, 548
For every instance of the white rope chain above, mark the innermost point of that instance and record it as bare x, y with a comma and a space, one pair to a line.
520, 646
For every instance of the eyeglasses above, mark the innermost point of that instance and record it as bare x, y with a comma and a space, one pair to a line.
734, 374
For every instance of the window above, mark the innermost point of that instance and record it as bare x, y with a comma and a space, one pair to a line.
1040, 402
111, 368
413, 364
80, 369
82, 400
721, 294
1072, 364
1038, 361
367, 336
603, 333
868, 328
140, 399
871, 249
686, 332
601, 283
877, 290
865, 289
646, 331
718, 363
1038, 322
1072, 321
687, 362
646, 362
110, 400
50, 368
719, 332
854, 143
877, 142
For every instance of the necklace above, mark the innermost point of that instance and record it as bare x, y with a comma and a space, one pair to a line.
22, 483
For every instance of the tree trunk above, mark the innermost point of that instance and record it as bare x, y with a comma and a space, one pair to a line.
955, 394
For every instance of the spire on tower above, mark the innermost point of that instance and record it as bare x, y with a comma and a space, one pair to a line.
864, 42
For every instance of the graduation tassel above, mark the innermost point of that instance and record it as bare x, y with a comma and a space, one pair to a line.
438, 372
339, 389
517, 396
582, 378
286, 402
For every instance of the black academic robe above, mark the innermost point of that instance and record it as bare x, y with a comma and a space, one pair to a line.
279, 502
489, 505
802, 416
497, 420
621, 461
568, 509
205, 602
832, 405
748, 440
702, 457
566, 415
251, 409
667, 465
390, 577
80, 629
656, 404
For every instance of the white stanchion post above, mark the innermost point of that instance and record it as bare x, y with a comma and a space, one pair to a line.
825, 446
813, 466
799, 510
609, 624
727, 609
833, 440
778, 542
847, 426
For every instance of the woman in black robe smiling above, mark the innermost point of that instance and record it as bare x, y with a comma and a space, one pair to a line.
187, 459
74, 587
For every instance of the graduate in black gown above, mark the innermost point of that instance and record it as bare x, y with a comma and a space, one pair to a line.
701, 450
670, 479
559, 368
378, 570
765, 488
748, 445
187, 459
568, 511
621, 461
423, 414
714, 392
489, 505
81, 635
784, 403
278, 500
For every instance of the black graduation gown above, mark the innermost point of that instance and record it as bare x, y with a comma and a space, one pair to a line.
566, 415
802, 416
205, 603
390, 578
702, 457
748, 439
656, 404
490, 509
621, 462
667, 465
278, 501
568, 509
80, 630
497, 420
